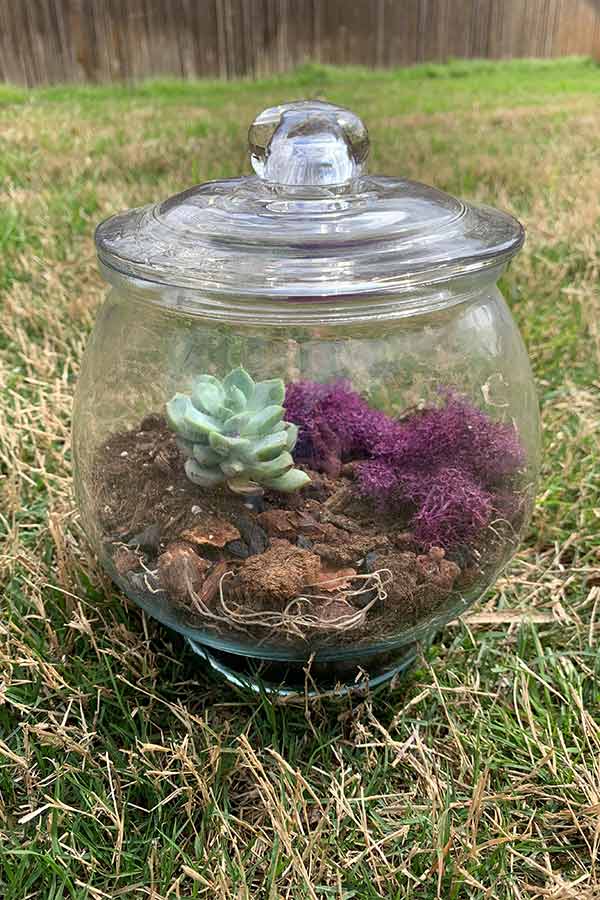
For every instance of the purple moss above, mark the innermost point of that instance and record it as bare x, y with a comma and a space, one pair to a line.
449, 465
451, 508
455, 434
378, 478
445, 506
336, 424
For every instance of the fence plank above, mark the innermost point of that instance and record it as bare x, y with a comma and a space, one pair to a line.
50, 41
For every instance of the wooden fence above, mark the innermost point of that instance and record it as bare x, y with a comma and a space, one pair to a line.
50, 41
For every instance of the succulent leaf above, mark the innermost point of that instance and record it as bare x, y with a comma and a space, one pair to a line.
233, 469
234, 424
269, 446
198, 422
292, 436
240, 379
292, 480
176, 410
272, 468
223, 444
262, 422
243, 486
206, 477
186, 447
236, 399
204, 455
205, 378
268, 393
208, 395
233, 431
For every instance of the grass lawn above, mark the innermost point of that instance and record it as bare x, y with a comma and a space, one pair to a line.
125, 771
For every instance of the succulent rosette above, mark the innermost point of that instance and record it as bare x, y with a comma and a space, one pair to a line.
232, 431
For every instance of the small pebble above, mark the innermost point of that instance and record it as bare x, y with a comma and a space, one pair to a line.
124, 453
362, 600
254, 536
195, 510
238, 548
369, 563
255, 503
148, 539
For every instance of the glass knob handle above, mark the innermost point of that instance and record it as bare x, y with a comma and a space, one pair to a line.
308, 143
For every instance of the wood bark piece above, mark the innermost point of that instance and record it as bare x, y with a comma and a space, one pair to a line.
181, 571
334, 580
211, 533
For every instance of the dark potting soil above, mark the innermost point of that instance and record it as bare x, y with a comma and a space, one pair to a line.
323, 565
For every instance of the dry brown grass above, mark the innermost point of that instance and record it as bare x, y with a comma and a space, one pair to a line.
124, 772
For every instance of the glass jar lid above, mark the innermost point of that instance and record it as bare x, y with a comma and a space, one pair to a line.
311, 223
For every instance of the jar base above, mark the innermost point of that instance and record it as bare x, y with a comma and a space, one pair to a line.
309, 680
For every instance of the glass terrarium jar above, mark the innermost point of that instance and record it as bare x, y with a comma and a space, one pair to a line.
306, 431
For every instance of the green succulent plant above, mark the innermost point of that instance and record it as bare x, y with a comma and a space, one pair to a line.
233, 431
